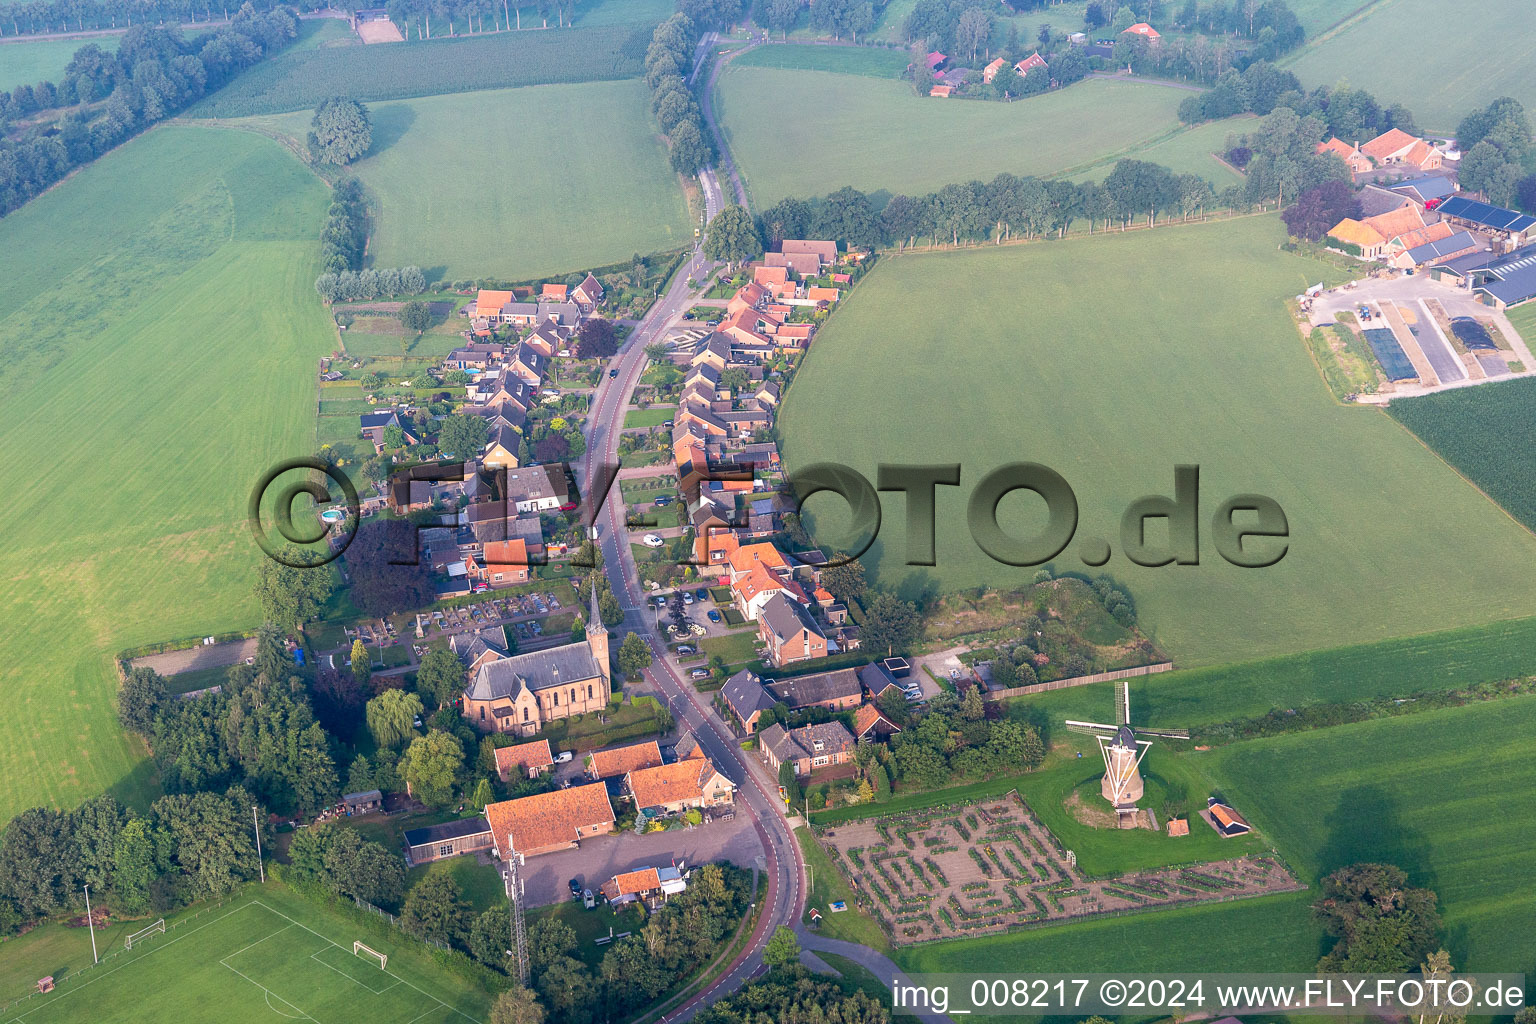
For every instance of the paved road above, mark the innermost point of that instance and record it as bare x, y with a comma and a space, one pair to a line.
757, 800
878, 964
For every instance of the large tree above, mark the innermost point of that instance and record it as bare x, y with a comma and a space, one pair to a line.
340, 131
1381, 924
391, 717
596, 339
783, 948
634, 656
431, 765
441, 676
139, 700
434, 910
462, 436
381, 585
846, 581
1319, 209
732, 237
290, 596
891, 626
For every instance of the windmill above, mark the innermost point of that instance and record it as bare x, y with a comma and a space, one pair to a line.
1123, 750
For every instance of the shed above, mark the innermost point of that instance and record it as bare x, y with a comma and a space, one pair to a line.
363, 803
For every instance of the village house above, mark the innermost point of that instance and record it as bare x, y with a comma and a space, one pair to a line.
588, 295
1147, 32
690, 784
522, 693
745, 696
547, 822
789, 632
502, 563
373, 425
502, 445
616, 762
524, 760
651, 886
870, 724
536, 488
1356, 161
477, 356
554, 293
990, 71
1028, 64
837, 690
808, 747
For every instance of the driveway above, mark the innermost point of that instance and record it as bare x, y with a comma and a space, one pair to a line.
199, 657
546, 878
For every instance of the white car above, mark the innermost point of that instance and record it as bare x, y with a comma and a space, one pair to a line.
652, 540
562, 757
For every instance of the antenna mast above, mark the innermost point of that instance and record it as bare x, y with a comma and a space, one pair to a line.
519, 929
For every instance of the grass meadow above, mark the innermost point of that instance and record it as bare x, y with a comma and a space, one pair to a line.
267, 955
877, 136
43, 60
1457, 65
843, 60
137, 424
1175, 349
1183, 151
1431, 793
465, 186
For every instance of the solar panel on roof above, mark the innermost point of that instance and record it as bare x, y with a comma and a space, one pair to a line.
1482, 213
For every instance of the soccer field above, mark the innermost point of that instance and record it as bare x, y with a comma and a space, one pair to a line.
468, 188
874, 134
256, 961
1113, 359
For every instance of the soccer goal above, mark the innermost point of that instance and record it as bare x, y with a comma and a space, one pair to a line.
144, 933
358, 949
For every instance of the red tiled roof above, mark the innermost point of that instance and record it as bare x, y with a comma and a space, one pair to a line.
525, 756
623, 760
549, 819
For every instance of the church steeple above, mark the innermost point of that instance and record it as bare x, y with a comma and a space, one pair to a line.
597, 633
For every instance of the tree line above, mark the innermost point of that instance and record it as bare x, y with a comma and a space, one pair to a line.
154, 74
43, 16
668, 60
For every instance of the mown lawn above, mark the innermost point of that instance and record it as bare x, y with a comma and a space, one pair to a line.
1442, 795
440, 169
827, 886
479, 884
1115, 358
196, 357
1482, 59
655, 416
874, 135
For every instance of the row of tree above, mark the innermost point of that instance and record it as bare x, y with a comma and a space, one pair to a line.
369, 284
504, 14
344, 236
49, 16
187, 847
154, 75
1497, 153
668, 60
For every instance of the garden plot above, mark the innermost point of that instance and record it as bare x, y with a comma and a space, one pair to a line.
949, 871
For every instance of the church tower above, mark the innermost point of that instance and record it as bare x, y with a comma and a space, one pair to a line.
597, 635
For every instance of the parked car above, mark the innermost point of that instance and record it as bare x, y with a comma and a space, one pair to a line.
562, 757
575, 888
661, 602
685, 649
714, 616
652, 540
702, 593
663, 501
687, 597
699, 673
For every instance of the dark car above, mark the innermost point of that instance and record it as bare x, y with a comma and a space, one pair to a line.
701, 593
575, 888
613, 374
664, 500
714, 616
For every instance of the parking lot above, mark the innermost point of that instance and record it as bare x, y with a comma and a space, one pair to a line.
547, 878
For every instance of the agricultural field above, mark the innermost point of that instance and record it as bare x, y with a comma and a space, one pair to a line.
1175, 347
1184, 151
1485, 433
464, 188
623, 12
843, 60
268, 955
196, 359
43, 60
876, 135
1460, 71
298, 79
1430, 793
1389, 668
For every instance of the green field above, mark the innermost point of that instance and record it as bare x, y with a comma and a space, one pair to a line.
874, 135
265, 957
1433, 794
655, 416
1390, 668
298, 79
1186, 151
1485, 433
42, 61
1175, 348
1467, 64
467, 188
845, 60
195, 357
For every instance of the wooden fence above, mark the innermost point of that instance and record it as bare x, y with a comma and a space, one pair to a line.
1063, 684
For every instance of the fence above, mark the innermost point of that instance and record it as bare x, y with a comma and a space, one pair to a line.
363, 904
1062, 684
145, 947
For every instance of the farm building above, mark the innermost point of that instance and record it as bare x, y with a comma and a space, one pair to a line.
547, 822
1147, 32
1432, 188
682, 785
746, 698
808, 747
1397, 147
838, 690
1356, 161
617, 761
1457, 243
437, 842
1226, 820
363, 803
1508, 227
